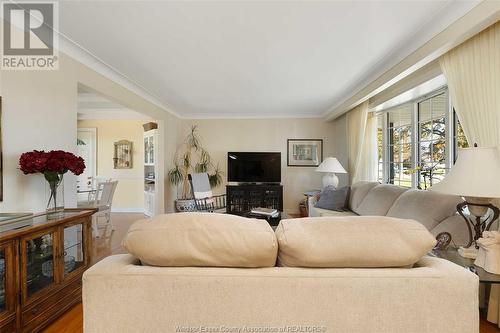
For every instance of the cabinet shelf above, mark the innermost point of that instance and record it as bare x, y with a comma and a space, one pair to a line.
72, 246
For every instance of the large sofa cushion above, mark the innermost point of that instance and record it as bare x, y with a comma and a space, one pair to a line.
428, 208
379, 200
360, 241
358, 192
202, 239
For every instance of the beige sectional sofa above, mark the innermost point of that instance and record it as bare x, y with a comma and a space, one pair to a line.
437, 212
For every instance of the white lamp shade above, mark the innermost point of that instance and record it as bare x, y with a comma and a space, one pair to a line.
331, 164
476, 173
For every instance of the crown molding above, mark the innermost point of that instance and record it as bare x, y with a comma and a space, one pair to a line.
223, 116
87, 58
110, 114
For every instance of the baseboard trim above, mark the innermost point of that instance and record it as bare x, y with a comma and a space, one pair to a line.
127, 210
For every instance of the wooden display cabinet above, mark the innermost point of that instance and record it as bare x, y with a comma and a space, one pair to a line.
41, 267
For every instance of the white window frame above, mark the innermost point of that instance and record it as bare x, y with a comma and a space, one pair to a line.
415, 140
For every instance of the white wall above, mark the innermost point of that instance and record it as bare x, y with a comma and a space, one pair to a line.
40, 112
222, 135
171, 136
129, 195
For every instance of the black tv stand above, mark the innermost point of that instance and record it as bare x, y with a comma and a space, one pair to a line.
242, 198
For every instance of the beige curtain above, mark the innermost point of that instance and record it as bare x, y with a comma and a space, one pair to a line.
368, 165
473, 73
362, 144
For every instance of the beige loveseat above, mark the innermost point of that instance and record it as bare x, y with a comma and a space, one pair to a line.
437, 212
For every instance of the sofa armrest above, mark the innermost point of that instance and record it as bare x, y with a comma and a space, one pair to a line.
311, 202
456, 226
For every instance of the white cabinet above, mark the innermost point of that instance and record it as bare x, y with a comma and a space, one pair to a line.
150, 172
149, 203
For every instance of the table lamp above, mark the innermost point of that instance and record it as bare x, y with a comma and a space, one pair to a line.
331, 166
476, 178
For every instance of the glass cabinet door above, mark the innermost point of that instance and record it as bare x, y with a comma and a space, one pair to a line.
146, 150
151, 150
3, 281
39, 271
74, 250
7, 282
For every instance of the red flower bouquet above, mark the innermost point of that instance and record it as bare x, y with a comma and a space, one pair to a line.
53, 165
55, 161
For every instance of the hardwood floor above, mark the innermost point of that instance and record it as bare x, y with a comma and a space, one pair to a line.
110, 243
70, 322
487, 327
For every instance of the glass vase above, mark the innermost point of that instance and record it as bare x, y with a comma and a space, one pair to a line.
55, 194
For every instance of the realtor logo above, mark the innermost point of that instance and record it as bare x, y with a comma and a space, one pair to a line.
30, 41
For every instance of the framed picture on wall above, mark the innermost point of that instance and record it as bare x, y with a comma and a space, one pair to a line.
304, 152
123, 155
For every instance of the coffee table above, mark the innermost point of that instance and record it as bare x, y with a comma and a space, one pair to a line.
273, 221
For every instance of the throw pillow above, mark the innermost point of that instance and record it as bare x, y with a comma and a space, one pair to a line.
333, 199
352, 241
202, 239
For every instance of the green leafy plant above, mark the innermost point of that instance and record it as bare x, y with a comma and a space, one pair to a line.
192, 157
427, 173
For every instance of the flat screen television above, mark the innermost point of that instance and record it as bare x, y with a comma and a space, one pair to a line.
246, 167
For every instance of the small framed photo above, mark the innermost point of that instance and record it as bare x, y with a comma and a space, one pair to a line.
123, 155
304, 152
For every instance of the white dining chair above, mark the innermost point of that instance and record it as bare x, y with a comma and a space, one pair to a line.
102, 201
95, 183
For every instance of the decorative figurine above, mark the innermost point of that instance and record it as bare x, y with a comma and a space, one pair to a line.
488, 256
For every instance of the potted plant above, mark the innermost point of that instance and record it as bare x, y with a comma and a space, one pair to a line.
191, 157
53, 165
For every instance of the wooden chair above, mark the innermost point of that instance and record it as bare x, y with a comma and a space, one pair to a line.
204, 199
